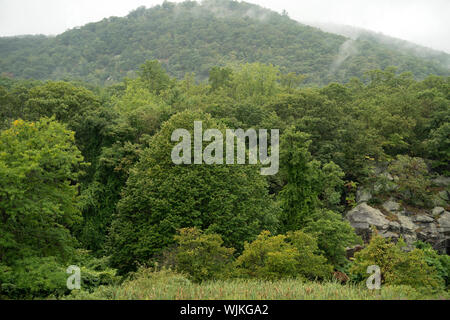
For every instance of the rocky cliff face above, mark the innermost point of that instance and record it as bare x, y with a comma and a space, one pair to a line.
393, 220
433, 227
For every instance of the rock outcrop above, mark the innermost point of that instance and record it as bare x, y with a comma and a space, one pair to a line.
363, 217
432, 227
392, 220
444, 223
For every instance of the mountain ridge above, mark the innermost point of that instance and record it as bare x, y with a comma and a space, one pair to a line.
357, 32
193, 37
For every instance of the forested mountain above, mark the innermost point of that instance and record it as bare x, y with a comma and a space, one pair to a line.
193, 37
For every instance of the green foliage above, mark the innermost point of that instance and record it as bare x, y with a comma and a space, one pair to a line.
33, 277
161, 197
255, 82
219, 77
311, 263
65, 101
397, 267
200, 256
43, 277
333, 235
73, 105
336, 126
268, 257
69, 103
332, 175
94, 271
291, 81
282, 256
136, 114
438, 146
300, 195
441, 262
154, 76
39, 164
309, 185
411, 176
133, 199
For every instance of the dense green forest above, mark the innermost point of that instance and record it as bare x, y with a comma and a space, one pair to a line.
86, 176
194, 37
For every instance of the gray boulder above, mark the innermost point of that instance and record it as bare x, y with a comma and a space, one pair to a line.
394, 226
431, 231
444, 222
437, 211
389, 234
423, 219
363, 216
406, 223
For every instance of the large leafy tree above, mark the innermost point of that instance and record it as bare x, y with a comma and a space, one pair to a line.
136, 115
76, 106
161, 197
309, 184
39, 167
300, 196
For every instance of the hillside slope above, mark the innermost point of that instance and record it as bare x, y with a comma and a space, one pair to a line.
439, 57
193, 37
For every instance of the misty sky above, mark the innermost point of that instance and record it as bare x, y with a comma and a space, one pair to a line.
425, 22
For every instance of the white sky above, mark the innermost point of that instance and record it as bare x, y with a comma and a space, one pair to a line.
425, 22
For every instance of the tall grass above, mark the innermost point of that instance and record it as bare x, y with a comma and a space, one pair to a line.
166, 285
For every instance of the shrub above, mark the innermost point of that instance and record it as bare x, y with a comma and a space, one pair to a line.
310, 263
440, 262
333, 235
397, 266
282, 256
201, 256
41, 277
145, 284
95, 272
33, 278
